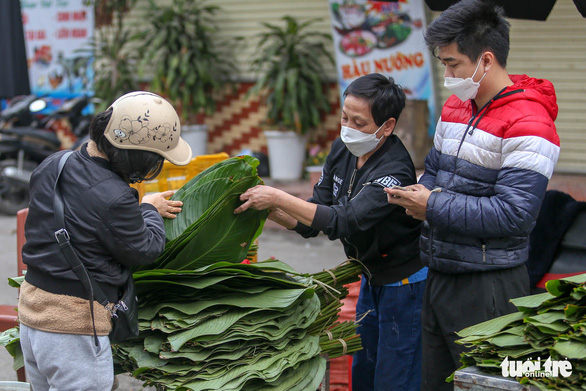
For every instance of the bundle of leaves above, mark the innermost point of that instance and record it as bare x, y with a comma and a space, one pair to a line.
210, 322
229, 327
550, 325
222, 327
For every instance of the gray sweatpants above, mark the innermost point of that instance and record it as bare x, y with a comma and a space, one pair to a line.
66, 362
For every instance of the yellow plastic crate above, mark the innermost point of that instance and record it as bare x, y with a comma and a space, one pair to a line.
172, 177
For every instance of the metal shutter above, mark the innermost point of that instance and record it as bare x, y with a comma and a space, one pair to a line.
553, 50
243, 18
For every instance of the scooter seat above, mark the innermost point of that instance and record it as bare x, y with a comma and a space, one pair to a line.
575, 237
40, 134
570, 259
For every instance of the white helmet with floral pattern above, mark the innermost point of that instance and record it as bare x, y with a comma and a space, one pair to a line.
145, 121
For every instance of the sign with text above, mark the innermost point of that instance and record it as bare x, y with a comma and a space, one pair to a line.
383, 37
55, 31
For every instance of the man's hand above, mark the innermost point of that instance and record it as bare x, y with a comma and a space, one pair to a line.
259, 197
165, 207
265, 197
413, 198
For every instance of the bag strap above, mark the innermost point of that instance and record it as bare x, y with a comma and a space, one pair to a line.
62, 237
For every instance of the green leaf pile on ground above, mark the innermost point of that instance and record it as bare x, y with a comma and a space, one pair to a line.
224, 327
548, 325
209, 322
237, 326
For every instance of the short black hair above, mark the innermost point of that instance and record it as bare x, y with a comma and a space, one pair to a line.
386, 99
475, 26
132, 165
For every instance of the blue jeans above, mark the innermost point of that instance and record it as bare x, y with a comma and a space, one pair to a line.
391, 338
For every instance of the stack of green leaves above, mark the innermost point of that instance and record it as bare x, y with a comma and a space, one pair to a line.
209, 322
548, 325
225, 327
230, 326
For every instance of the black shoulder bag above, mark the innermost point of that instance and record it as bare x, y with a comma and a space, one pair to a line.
125, 312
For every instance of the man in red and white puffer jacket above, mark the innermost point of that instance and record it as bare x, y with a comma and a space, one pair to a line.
494, 152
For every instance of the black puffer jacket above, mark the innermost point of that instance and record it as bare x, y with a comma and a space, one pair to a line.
109, 230
353, 207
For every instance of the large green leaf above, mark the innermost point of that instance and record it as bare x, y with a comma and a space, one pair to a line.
571, 349
208, 231
564, 285
229, 240
527, 303
281, 298
491, 326
206, 189
10, 339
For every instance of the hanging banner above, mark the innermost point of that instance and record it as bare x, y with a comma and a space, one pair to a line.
55, 31
383, 37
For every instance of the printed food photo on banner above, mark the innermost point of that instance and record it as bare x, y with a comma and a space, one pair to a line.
374, 24
383, 37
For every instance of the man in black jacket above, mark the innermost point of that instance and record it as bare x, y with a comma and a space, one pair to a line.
349, 204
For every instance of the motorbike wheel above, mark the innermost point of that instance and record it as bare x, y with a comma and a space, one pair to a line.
14, 195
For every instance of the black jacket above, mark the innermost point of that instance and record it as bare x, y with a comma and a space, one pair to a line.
353, 207
109, 230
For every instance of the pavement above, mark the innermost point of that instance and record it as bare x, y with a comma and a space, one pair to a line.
304, 255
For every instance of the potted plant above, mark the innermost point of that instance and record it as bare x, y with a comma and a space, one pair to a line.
114, 55
314, 164
114, 74
188, 65
291, 79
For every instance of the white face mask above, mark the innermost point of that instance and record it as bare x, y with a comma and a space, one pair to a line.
464, 88
359, 143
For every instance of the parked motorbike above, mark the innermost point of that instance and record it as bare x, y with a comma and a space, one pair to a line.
21, 112
23, 148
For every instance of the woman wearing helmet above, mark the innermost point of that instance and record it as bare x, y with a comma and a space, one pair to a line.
110, 232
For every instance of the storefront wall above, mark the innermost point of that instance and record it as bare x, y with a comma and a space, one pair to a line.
554, 49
